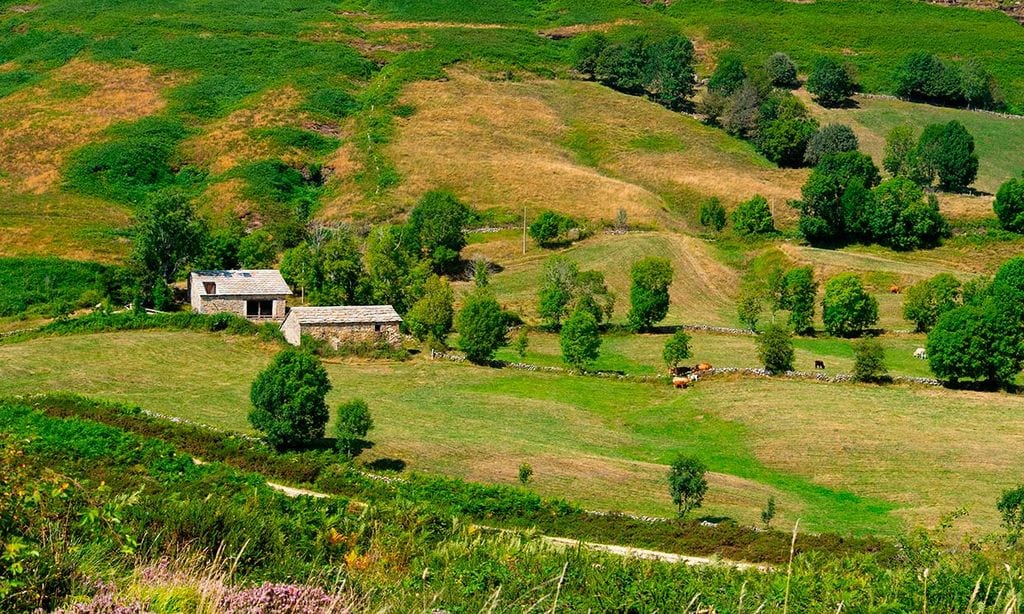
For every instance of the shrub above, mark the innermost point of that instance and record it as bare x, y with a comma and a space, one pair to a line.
351, 425
781, 70
549, 226
580, 340
768, 513
800, 292
946, 151
521, 343
925, 77
847, 309
830, 82
687, 483
648, 293
525, 473
728, 76
1009, 205
431, 317
775, 349
712, 214
257, 251
926, 301
753, 217
869, 361
784, 140
288, 400
564, 288
482, 326
50, 286
900, 156
677, 348
748, 308
1011, 509
830, 139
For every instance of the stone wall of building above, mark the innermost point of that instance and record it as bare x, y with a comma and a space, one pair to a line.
237, 305
338, 334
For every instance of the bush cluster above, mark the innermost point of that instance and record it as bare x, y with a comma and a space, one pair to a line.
925, 77
661, 67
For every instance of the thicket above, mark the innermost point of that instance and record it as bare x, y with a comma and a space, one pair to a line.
52, 286
927, 78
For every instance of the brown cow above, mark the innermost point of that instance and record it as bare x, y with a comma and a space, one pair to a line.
819, 364
680, 382
704, 366
894, 289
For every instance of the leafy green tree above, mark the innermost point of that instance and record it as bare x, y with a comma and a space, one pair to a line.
946, 151
978, 87
975, 343
775, 349
822, 215
900, 156
869, 361
352, 425
624, 65
256, 250
1011, 509
648, 293
926, 301
830, 139
431, 316
903, 219
394, 274
768, 513
586, 50
781, 71
712, 214
800, 295
783, 139
748, 308
830, 82
549, 226
580, 340
341, 275
923, 76
525, 473
729, 75
220, 250
522, 343
847, 309
753, 217
671, 75
288, 400
1009, 205
168, 236
743, 111
436, 228
564, 287
677, 349
687, 483
482, 326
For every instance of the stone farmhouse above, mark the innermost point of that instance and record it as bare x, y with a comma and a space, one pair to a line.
338, 325
256, 295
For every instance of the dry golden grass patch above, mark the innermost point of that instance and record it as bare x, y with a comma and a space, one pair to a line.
966, 206
69, 226
497, 144
375, 25
227, 142
574, 147
930, 450
38, 128
224, 199
585, 28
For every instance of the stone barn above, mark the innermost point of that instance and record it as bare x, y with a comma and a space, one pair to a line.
257, 294
340, 325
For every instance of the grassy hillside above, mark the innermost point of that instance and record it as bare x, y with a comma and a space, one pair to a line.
603, 443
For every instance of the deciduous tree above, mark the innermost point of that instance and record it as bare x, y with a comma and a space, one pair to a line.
648, 293
288, 400
687, 483
847, 309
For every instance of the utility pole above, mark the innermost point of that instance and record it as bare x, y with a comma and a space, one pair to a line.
524, 231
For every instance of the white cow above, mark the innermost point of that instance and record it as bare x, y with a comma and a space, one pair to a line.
920, 353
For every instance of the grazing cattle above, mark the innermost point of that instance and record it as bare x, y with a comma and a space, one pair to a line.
680, 382
894, 289
819, 364
921, 353
704, 366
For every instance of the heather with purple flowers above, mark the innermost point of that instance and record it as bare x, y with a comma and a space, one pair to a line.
104, 602
271, 598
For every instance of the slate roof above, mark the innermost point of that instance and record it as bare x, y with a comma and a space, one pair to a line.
353, 314
239, 283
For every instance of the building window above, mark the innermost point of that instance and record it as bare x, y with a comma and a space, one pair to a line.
376, 328
210, 287
259, 309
